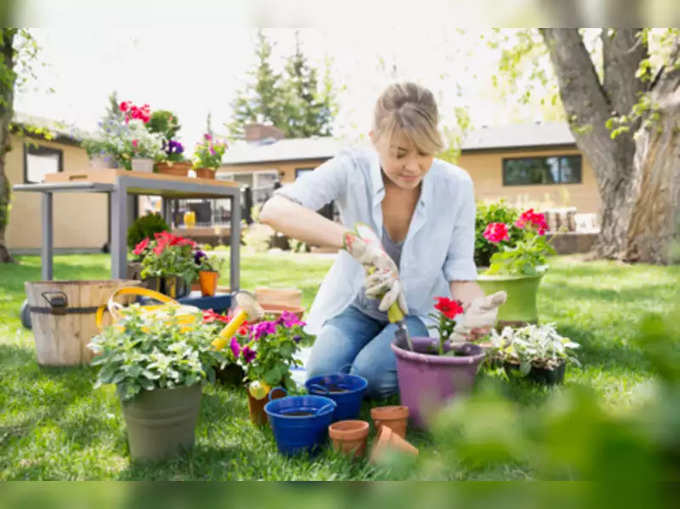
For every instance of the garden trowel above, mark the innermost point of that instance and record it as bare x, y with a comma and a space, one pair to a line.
247, 309
394, 313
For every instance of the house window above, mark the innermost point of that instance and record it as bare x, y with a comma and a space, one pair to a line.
301, 171
39, 161
525, 171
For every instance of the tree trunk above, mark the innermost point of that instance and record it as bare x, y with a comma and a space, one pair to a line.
6, 110
655, 197
638, 172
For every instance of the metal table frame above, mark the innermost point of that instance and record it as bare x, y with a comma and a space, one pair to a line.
123, 186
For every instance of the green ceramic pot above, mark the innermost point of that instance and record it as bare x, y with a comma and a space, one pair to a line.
161, 423
520, 307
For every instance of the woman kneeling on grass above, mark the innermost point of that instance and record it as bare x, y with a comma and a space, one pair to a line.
424, 211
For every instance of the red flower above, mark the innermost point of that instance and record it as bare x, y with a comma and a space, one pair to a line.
449, 307
496, 232
535, 220
209, 316
139, 248
124, 106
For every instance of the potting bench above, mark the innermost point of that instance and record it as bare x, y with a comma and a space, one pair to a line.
119, 184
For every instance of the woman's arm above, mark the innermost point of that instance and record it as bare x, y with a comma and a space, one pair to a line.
301, 223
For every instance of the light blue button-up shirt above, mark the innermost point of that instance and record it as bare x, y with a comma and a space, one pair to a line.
439, 245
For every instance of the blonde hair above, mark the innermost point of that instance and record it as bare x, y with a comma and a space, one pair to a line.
410, 108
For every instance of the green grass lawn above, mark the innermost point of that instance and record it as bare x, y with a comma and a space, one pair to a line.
54, 426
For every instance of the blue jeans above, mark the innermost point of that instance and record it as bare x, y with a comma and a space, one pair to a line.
356, 341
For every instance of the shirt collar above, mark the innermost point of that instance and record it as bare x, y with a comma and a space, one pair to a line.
379, 186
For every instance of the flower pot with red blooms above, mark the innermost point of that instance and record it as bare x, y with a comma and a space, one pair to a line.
517, 268
538, 353
208, 156
170, 258
266, 352
436, 369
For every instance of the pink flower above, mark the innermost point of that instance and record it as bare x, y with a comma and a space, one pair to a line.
536, 221
124, 106
207, 136
496, 232
135, 143
139, 248
289, 319
235, 347
263, 329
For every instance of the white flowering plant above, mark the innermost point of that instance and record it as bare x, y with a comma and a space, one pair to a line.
539, 346
144, 352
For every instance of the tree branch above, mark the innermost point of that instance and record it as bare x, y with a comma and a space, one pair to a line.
622, 52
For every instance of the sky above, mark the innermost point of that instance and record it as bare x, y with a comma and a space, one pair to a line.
196, 67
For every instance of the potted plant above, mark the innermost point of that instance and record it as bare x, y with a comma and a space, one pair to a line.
267, 355
99, 153
517, 267
143, 227
539, 353
170, 260
436, 369
136, 145
159, 367
171, 161
208, 156
105, 146
209, 268
232, 373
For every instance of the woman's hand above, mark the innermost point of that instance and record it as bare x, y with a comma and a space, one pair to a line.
382, 275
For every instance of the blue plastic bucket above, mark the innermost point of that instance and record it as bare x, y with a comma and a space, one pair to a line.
346, 390
300, 423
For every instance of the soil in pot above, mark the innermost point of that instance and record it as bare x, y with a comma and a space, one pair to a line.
539, 375
208, 282
394, 417
161, 423
349, 437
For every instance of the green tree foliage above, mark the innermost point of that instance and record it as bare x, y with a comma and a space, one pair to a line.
295, 101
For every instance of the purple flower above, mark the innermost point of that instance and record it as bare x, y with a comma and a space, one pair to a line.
174, 147
212, 151
297, 338
290, 319
235, 347
263, 328
198, 256
249, 354
207, 136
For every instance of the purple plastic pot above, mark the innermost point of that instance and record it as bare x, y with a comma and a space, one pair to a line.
427, 381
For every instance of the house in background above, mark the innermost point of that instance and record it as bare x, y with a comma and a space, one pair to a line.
523, 163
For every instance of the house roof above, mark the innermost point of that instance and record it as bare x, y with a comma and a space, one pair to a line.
486, 138
60, 131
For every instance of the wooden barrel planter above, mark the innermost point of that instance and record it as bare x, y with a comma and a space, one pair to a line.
63, 317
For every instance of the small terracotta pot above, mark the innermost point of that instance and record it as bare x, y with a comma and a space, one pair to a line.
278, 309
256, 406
208, 281
388, 440
349, 437
178, 169
205, 173
394, 417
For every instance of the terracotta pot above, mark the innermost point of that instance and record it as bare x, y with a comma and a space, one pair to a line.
278, 309
256, 406
205, 173
208, 281
279, 296
394, 417
349, 437
388, 440
178, 169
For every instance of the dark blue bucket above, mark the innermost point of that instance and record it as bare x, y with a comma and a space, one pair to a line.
346, 390
300, 423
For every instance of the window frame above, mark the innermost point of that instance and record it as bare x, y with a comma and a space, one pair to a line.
558, 156
34, 149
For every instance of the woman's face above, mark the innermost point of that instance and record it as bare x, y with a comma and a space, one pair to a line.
403, 164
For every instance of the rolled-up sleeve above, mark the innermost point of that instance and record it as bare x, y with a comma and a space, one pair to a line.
316, 188
460, 264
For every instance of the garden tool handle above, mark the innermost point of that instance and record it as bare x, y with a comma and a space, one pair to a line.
319, 388
229, 330
330, 405
279, 388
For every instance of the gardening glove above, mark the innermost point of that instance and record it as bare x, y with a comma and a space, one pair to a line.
481, 313
382, 275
